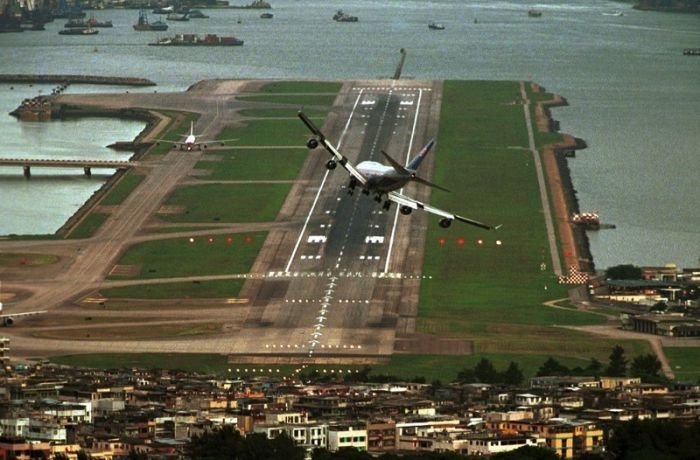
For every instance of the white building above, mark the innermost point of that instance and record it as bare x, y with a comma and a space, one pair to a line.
33, 429
303, 434
493, 444
346, 436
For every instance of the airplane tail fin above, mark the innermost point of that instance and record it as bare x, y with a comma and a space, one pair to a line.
411, 172
418, 159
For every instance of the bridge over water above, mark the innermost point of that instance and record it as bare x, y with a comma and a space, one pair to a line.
88, 165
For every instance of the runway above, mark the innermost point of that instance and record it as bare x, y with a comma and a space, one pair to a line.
347, 281
337, 277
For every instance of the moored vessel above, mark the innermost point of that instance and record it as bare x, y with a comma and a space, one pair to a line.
198, 40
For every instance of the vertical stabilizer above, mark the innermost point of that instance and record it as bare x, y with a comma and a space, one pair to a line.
418, 159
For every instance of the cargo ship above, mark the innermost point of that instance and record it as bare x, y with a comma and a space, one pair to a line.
198, 40
144, 24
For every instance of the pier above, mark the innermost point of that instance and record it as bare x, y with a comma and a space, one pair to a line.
87, 165
85, 79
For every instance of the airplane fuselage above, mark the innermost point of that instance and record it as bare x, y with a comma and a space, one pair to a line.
381, 178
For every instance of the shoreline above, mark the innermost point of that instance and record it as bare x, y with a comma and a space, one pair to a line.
573, 240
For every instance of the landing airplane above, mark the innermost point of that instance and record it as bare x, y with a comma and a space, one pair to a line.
190, 143
383, 181
9, 319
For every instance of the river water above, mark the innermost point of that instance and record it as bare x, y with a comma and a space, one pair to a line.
632, 95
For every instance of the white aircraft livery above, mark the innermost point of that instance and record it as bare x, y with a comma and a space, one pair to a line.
383, 181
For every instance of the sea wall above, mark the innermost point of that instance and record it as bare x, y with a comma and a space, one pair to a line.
573, 239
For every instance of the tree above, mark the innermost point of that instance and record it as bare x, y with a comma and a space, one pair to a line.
647, 367
513, 375
485, 372
624, 272
222, 443
594, 367
618, 363
552, 367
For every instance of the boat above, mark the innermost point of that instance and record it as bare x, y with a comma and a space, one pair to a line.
267, 15
143, 23
341, 16
197, 14
177, 17
79, 31
164, 10
534, 13
613, 13
198, 40
92, 22
256, 5
436, 26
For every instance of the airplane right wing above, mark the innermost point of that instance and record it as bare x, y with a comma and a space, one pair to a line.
447, 217
337, 156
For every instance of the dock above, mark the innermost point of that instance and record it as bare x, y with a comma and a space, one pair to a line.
85, 79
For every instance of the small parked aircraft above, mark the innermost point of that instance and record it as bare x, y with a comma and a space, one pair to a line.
383, 181
190, 143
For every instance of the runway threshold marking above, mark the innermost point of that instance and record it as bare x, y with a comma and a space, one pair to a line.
323, 183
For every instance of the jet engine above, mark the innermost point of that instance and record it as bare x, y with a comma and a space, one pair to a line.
445, 222
312, 143
331, 164
7, 321
406, 210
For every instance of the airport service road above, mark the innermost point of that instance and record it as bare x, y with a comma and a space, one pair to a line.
346, 281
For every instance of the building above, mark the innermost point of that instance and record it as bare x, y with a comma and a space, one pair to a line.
346, 436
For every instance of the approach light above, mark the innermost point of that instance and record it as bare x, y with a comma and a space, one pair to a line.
441, 241
248, 240
191, 240
498, 242
460, 241
479, 242
210, 239
229, 240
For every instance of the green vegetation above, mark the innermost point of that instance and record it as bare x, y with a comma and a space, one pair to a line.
479, 287
685, 362
297, 100
227, 202
198, 256
191, 362
267, 132
210, 289
88, 226
301, 87
24, 259
123, 189
255, 164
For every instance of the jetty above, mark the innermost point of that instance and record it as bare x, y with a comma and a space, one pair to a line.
85, 79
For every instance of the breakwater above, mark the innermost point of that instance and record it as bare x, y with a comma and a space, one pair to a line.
84, 79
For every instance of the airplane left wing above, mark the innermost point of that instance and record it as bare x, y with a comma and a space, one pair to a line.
337, 156
447, 217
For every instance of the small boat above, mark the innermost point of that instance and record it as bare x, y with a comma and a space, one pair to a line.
266, 15
92, 22
197, 14
255, 5
341, 16
143, 23
79, 31
436, 26
177, 17
534, 13
164, 10
614, 13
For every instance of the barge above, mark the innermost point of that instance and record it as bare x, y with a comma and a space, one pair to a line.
197, 40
